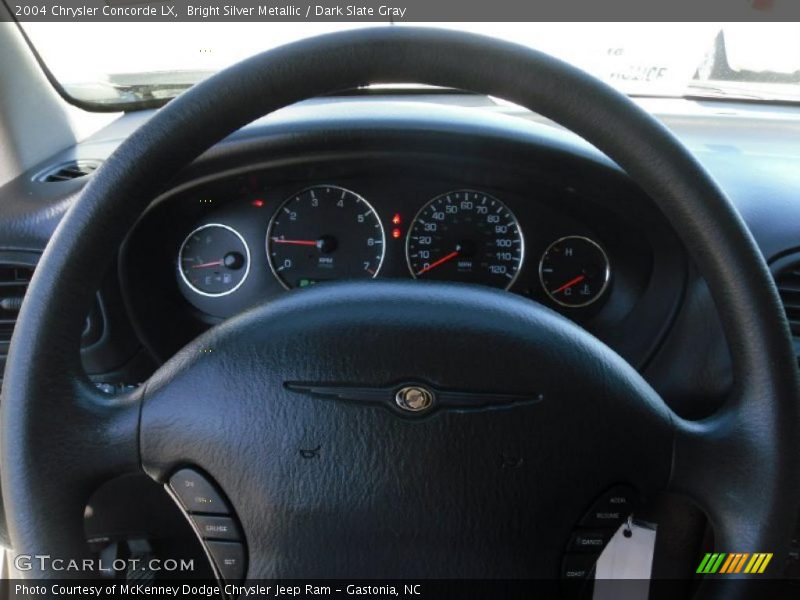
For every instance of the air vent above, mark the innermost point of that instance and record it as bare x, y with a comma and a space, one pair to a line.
68, 171
786, 271
14, 280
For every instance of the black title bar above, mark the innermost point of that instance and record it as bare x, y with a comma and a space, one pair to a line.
399, 10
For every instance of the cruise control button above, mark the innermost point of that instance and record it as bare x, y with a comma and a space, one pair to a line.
578, 566
196, 493
611, 508
229, 558
216, 528
589, 541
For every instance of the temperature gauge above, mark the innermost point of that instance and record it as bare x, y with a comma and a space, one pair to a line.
574, 271
214, 260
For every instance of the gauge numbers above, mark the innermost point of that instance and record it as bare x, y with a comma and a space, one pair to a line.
465, 236
214, 260
325, 233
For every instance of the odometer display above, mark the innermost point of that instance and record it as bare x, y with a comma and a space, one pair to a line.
324, 233
465, 236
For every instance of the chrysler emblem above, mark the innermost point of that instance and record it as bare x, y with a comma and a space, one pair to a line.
414, 398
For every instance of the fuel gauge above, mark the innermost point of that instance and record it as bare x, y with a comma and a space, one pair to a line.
574, 271
214, 260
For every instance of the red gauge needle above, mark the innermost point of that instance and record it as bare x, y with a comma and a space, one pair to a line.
295, 242
441, 261
569, 284
216, 263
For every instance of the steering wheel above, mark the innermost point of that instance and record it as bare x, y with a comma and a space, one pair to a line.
399, 491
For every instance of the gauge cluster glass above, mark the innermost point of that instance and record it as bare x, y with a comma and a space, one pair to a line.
574, 271
325, 233
229, 241
214, 260
465, 236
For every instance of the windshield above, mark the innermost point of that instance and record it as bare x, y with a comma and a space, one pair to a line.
124, 64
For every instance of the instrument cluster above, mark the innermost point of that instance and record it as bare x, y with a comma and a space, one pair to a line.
589, 248
235, 233
329, 232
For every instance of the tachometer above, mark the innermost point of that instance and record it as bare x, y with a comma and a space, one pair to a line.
214, 260
465, 236
324, 233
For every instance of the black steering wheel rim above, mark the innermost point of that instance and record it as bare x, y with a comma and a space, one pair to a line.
749, 445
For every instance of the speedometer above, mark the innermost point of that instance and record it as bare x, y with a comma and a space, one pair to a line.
465, 236
324, 233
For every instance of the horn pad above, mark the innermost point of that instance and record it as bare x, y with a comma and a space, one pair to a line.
292, 407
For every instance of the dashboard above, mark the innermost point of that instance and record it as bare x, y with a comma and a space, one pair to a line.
399, 153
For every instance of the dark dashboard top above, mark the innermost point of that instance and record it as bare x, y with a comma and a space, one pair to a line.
752, 150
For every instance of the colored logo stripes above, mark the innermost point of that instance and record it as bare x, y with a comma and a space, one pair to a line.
735, 562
